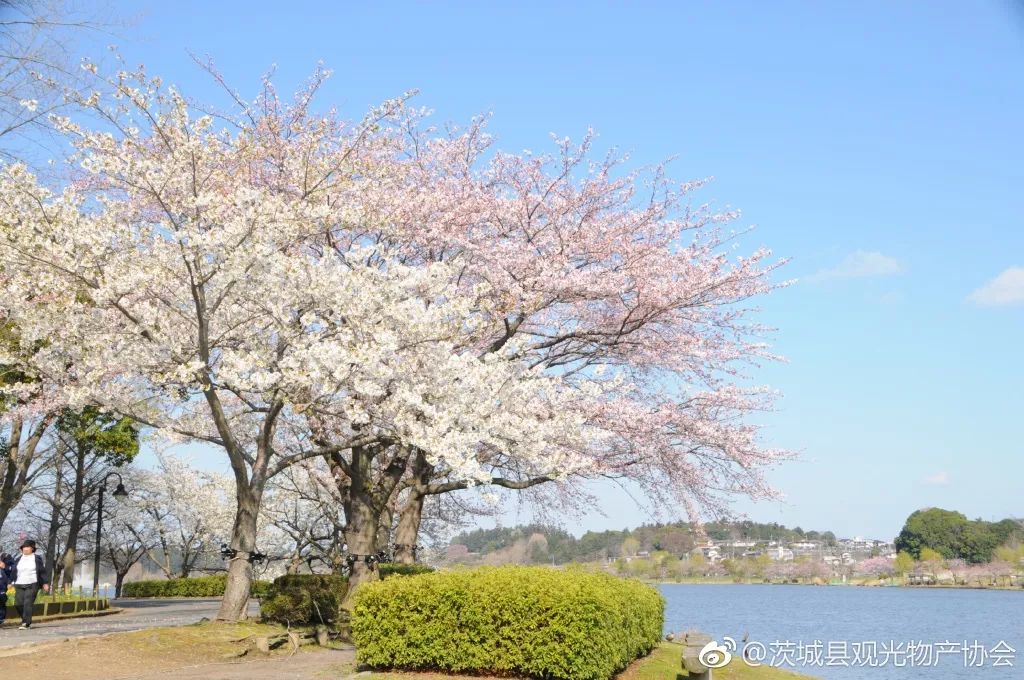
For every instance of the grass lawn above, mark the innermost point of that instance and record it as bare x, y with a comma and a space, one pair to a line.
662, 664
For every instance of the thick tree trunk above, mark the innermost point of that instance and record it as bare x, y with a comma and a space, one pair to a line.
238, 587
119, 583
408, 529
411, 517
387, 520
361, 537
366, 484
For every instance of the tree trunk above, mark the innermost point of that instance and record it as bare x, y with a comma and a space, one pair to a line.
361, 537
15, 473
165, 549
234, 606
408, 529
409, 520
54, 527
387, 520
119, 583
9, 494
366, 485
190, 553
75, 525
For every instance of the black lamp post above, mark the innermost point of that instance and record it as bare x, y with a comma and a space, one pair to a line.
119, 492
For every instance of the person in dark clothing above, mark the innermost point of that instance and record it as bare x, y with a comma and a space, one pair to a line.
28, 574
5, 567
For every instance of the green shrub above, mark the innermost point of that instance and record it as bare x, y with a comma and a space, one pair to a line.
304, 598
199, 586
396, 569
532, 621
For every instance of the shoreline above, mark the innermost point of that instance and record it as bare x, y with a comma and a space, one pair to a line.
834, 585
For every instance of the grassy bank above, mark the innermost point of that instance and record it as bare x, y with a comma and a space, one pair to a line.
662, 664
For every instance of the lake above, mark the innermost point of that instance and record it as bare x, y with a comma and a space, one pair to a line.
845, 632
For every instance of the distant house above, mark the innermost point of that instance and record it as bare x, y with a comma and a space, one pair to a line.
780, 554
710, 552
807, 546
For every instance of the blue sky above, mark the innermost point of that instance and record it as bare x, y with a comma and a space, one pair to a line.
877, 144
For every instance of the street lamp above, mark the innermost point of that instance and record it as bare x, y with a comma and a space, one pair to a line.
119, 493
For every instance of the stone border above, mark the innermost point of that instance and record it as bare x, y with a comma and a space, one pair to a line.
49, 609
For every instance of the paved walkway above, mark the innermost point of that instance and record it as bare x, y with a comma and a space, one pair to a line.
137, 615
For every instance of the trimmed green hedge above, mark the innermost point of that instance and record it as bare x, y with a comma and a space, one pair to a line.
200, 586
533, 621
304, 598
396, 569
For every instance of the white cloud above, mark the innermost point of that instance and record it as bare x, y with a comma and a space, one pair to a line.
1002, 291
938, 479
859, 265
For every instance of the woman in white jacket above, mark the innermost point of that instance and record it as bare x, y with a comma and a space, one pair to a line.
28, 574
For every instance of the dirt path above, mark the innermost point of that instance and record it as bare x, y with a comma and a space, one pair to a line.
331, 664
197, 652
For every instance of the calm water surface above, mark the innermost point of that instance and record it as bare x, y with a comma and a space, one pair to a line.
862, 625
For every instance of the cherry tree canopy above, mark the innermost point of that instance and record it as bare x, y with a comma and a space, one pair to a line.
177, 281
600, 277
287, 286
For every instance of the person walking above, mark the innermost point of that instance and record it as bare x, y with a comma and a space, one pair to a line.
5, 570
28, 574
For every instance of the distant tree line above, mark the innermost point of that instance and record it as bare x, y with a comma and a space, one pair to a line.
674, 538
953, 536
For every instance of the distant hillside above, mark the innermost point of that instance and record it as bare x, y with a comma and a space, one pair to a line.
948, 533
545, 544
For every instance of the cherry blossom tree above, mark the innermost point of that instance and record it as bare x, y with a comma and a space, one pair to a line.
589, 281
125, 541
303, 505
877, 567
1001, 572
176, 282
36, 65
418, 312
25, 418
20, 459
184, 514
782, 571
